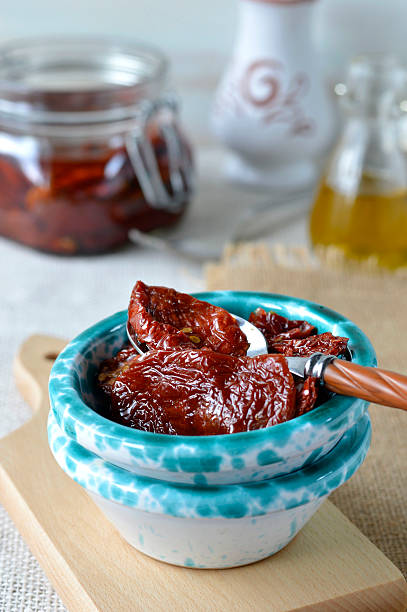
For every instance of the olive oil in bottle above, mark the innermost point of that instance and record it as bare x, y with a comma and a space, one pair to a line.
360, 208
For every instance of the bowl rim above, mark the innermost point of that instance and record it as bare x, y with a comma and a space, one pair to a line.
62, 387
118, 485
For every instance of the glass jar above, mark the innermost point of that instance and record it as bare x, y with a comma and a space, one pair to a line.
360, 209
90, 145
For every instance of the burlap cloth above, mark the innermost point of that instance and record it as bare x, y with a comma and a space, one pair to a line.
375, 499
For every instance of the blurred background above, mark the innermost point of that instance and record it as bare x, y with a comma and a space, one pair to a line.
343, 28
198, 36
209, 48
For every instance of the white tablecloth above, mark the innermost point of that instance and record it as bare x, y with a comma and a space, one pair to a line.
42, 293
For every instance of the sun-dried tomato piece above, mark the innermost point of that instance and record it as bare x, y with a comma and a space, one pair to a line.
276, 327
111, 368
163, 318
200, 392
322, 343
82, 198
307, 395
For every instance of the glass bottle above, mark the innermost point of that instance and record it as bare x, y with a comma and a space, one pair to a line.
360, 208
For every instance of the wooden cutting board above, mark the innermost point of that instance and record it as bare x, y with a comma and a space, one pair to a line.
330, 566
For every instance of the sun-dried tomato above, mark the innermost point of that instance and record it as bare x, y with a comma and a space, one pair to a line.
307, 395
82, 199
200, 392
111, 368
297, 338
163, 318
321, 343
176, 389
276, 327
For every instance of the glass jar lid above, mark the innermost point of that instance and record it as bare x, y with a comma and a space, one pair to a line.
77, 80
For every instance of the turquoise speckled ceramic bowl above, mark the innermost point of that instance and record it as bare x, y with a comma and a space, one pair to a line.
210, 527
203, 460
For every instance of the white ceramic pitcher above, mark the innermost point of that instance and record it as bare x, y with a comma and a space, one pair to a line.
272, 108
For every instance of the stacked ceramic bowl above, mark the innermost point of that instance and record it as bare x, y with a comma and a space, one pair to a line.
206, 501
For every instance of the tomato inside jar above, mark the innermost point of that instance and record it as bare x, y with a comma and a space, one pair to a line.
90, 145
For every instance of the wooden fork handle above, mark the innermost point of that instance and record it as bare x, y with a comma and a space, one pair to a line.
371, 384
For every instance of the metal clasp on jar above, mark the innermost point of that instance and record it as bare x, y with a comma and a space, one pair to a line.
143, 157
